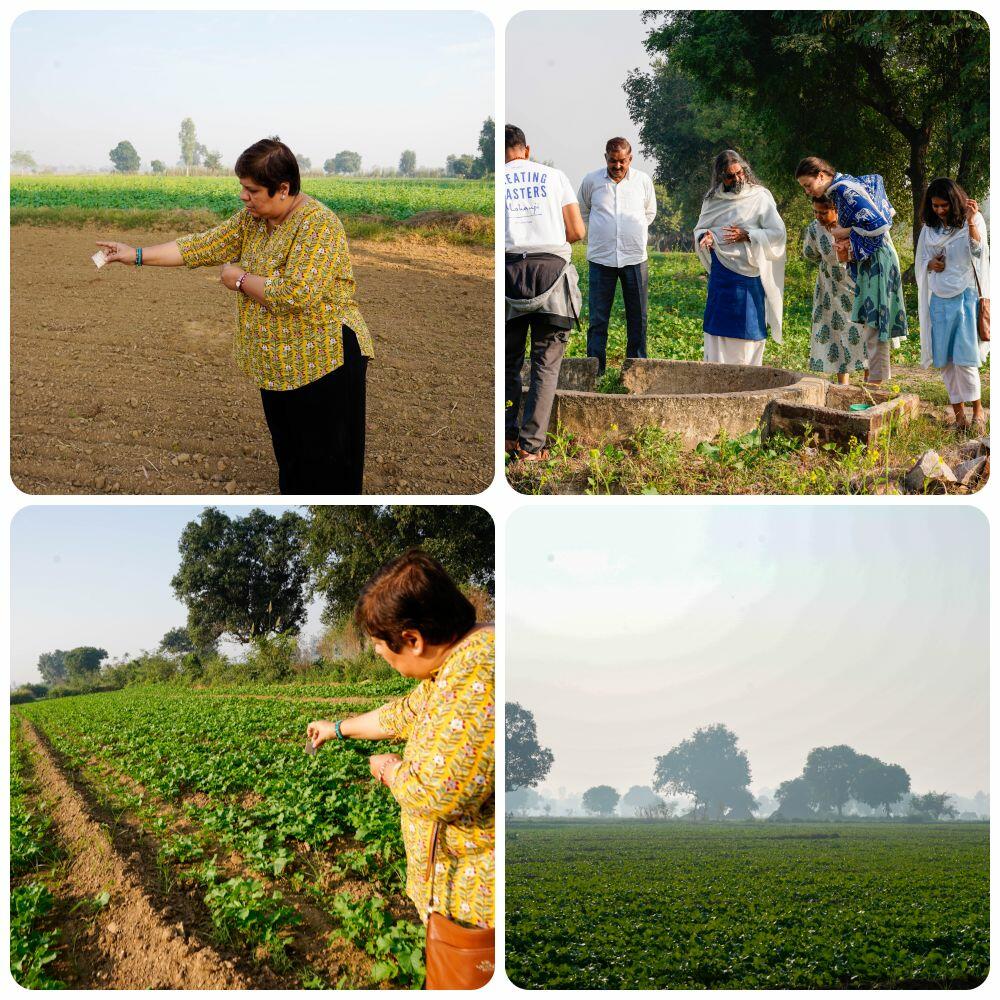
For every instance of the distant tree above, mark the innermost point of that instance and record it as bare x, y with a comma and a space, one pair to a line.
527, 761
158, 167
200, 152
84, 662
125, 158
347, 162
52, 666
346, 544
484, 163
743, 806
177, 640
521, 800
601, 799
880, 785
242, 576
304, 162
22, 162
934, 805
213, 160
830, 772
658, 810
459, 166
407, 162
188, 138
639, 797
330, 166
709, 767
795, 800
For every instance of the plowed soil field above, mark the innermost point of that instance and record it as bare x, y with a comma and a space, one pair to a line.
123, 380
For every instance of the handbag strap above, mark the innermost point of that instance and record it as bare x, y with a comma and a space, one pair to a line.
975, 270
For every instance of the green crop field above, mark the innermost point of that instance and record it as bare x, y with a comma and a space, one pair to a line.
631, 905
289, 859
393, 198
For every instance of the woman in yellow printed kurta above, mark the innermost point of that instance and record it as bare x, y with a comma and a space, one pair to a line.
300, 335
425, 628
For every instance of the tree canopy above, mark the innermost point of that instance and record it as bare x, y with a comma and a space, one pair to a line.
188, 138
125, 158
52, 666
346, 162
485, 162
601, 800
346, 544
903, 93
243, 576
527, 762
880, 785
709, 767
830, 773
407, 162
83, 662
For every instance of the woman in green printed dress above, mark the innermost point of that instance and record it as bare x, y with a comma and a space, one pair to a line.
837, 343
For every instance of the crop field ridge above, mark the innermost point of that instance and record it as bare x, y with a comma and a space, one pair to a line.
136, 940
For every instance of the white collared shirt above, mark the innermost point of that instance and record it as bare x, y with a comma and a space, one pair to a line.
617, 216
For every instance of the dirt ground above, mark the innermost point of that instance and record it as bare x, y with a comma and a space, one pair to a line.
123, 380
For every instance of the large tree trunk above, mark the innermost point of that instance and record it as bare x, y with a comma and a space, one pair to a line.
917, 173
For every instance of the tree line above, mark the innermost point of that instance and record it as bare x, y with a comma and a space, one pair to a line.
711, 770
196, 157
251, 579
902, 93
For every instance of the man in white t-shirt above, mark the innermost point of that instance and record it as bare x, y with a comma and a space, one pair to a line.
541, 220
618, 204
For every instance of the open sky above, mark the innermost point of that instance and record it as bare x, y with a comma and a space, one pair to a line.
99, 576
797, 627
323, 82
564, 84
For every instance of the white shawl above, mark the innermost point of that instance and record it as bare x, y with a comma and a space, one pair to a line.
929, 243
754, 210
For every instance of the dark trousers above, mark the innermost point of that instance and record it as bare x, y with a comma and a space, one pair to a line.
601, 297
318, 430
548, 344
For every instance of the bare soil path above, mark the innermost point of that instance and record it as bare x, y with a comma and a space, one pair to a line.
123, 381
127, 944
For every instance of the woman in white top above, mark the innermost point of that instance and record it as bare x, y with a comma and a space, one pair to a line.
952, 253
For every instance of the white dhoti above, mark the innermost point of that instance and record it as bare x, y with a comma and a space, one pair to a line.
962, 382
733, 350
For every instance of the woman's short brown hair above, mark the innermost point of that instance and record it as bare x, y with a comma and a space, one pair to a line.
413, 592
947, 190
812, 166
270, 163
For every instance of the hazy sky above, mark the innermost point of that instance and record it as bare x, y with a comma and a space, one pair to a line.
564, 85
797, 627
98, 576
373, 83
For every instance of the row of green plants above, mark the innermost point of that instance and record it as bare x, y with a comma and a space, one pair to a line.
393, 198
747, 906
224, 777
33, 943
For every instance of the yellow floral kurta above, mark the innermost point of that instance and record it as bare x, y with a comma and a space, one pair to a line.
308, 285
446, 779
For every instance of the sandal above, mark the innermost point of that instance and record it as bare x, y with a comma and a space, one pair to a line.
542, 455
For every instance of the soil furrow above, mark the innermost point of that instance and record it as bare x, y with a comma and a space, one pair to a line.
129, 943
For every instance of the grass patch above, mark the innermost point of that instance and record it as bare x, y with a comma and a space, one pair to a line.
654, 462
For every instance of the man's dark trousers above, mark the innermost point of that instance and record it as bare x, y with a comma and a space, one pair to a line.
600, 298
548, 343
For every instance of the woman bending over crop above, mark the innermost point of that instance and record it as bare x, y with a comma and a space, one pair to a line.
299, 333
424, 627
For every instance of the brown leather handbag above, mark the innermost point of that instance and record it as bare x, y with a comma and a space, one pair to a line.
982, 309
458, 958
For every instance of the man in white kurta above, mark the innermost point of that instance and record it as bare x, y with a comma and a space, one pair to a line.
618, 204
740, 240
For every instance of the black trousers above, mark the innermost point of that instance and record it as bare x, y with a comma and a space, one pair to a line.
318, 430
601, 297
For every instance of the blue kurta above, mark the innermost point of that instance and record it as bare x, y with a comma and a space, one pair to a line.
862, 204
954, 336
735, 305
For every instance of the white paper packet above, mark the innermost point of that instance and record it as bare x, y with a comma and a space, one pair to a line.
99, 259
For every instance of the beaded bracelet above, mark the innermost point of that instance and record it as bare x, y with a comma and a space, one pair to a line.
138, 256
240, 280
336, 729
